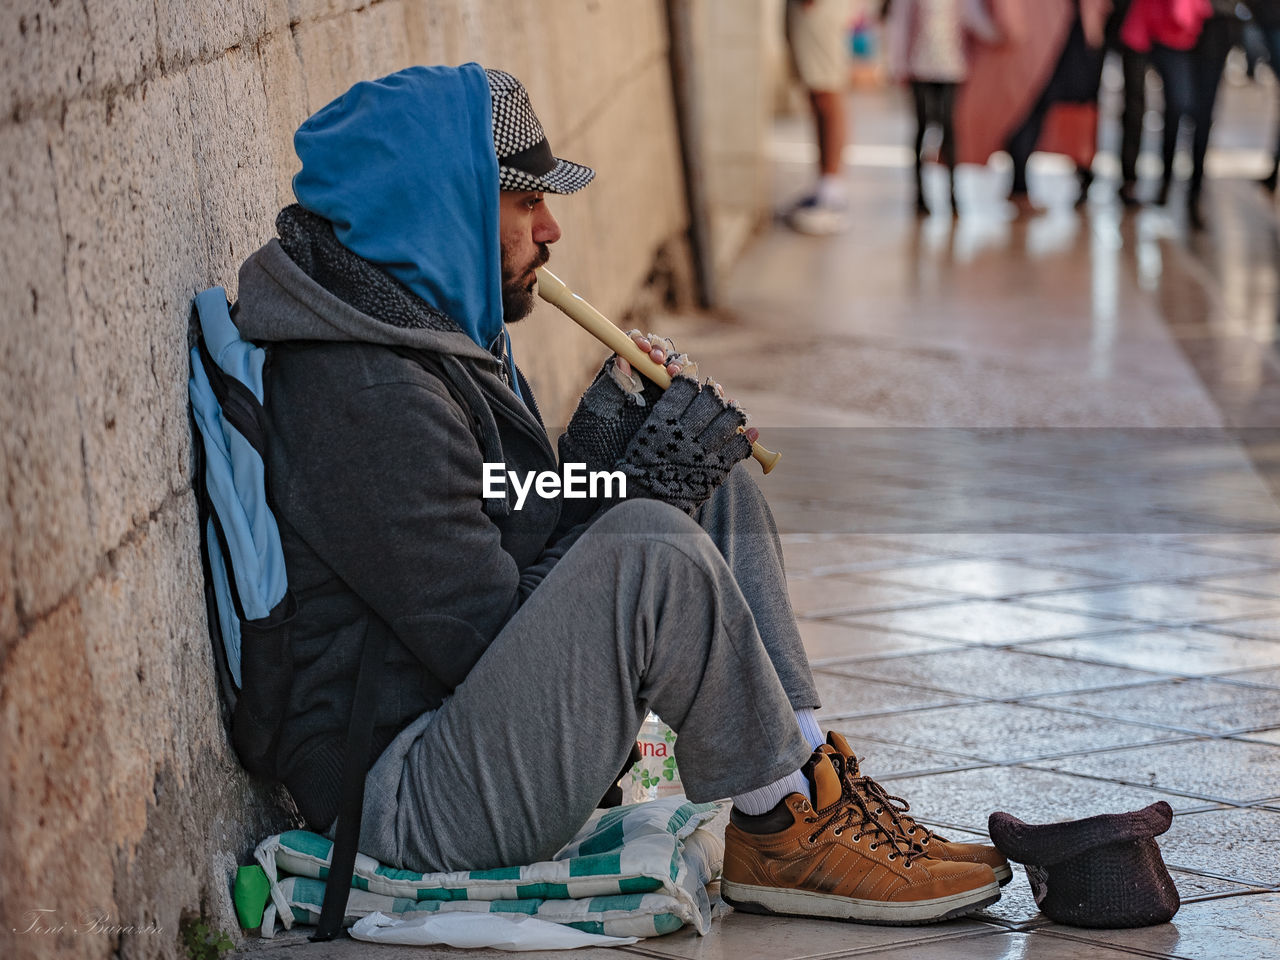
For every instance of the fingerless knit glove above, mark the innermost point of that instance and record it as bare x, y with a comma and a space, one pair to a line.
686, 446
606, 419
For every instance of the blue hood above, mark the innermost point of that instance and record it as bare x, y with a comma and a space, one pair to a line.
405, 170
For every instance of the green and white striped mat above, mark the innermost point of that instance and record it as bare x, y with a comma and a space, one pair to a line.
639, 870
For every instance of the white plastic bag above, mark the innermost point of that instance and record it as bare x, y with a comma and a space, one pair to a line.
498, 931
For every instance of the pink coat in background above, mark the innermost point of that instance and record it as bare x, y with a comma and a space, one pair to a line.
1174, 24
1006, 80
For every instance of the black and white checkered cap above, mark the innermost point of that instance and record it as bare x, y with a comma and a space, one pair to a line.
525, 160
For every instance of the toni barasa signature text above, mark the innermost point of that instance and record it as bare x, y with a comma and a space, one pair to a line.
46, 921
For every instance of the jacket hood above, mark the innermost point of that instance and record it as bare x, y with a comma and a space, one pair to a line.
404, 169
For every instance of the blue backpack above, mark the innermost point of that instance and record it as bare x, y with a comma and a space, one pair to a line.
246, 588
247, 591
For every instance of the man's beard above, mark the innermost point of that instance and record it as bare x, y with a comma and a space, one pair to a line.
517, 285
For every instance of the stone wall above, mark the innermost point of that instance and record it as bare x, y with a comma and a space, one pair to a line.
145, 149
741, 55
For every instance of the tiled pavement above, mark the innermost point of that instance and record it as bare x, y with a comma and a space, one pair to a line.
1031, 538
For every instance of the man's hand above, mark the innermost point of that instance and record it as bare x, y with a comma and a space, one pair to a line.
615, 405
663, 348
608, 415
686, 446
659, 349
676, 446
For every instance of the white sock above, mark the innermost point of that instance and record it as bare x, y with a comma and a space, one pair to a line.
764, 799
831, 190
807, 717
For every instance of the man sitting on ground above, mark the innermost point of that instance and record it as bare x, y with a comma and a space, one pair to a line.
525, 646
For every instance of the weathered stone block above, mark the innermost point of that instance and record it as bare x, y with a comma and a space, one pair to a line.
330, 59
180, 812
51, 772
45, 52
264, 18
640, 187
123, 35
505, 35
434, 31
308, 11
190, 30
52, 51
286, 109
8, 581
49, 548
381, 41
150, 665
609, 43
127, 199
233, 163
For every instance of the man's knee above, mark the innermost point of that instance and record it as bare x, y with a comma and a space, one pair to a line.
644, 516
640, 528
740, 483
739, 503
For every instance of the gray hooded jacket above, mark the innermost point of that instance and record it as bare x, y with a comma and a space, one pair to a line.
381, 413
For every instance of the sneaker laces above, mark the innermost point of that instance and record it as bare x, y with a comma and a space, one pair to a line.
852, 806
905, 824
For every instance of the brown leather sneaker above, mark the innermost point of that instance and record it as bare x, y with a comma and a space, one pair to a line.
832, 858
892, 814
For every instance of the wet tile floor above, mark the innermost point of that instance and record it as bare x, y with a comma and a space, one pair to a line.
1027, 507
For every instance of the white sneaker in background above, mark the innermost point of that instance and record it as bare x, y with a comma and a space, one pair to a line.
818, 218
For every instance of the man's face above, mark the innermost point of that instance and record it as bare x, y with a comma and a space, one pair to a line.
526, 228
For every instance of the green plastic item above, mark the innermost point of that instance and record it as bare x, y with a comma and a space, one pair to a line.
251, 892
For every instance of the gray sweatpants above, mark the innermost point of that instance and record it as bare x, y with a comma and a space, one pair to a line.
648, 610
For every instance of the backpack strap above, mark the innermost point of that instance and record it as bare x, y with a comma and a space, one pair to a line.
342, 860
207, 524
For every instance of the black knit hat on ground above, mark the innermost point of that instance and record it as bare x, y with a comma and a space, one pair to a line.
1103, 871
525, 160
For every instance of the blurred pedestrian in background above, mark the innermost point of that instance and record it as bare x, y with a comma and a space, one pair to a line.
1074, 80
1222, 31
817, 35
1133, 68
927, 40
1266, 15
1050, 58
1169, 31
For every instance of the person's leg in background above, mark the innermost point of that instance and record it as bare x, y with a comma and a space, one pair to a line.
1272, 37
1210, 56
1084, 178
946, 108
1020, 146
816, 35
1175, 68
1134, 68
828, 115
919, 95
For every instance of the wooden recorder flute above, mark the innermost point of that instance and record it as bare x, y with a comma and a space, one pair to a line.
554, 290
